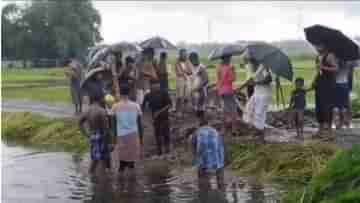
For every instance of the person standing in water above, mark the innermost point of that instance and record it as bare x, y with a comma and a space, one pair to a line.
199, 89
96, 117
159, 102
128, 141
226, 76
183, 71
208, 150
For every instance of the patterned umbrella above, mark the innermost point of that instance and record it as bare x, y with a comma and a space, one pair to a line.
99, 56
157, 43
107, 75
228, 50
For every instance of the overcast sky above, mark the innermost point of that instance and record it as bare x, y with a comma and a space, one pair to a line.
230, 21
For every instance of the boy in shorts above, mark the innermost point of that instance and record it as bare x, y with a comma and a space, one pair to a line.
298, 105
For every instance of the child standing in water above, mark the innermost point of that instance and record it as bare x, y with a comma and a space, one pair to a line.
298, 105
96, 117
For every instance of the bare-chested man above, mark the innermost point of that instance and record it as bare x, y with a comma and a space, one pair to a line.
98, 133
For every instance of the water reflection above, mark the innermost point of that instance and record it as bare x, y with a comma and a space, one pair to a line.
47, 177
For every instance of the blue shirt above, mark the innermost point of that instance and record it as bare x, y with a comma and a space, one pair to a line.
209, 153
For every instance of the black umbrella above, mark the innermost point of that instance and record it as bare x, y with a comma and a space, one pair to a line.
157, 43
272, 57
228, 50
334, 40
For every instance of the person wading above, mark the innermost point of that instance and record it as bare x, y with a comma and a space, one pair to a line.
128, 147
98, 134
208, 150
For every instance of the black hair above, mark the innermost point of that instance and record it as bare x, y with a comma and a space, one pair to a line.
129, 60
96, 98
163, 55
154, 82
193, 54
124, 88
299, 79
149, 50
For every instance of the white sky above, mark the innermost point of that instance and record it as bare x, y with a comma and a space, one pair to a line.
231, 21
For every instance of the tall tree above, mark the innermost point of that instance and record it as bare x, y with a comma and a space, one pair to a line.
49, 29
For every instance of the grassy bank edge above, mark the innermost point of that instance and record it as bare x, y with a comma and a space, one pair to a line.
38, 130
314, 172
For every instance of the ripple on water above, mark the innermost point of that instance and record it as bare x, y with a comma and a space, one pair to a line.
59, 177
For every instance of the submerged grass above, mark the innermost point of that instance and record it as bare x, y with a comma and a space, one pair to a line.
39, 130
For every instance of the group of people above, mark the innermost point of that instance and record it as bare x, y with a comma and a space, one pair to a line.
116, 105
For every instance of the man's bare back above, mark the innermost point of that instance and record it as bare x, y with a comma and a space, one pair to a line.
96, 118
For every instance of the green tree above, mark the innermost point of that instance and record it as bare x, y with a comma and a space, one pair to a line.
49, 29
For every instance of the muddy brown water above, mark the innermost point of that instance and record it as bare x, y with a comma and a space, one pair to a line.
33, 175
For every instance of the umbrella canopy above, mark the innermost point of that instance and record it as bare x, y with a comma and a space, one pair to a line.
334, 40
92, 50
125, 47
228, 50
272, 57
157, 43
99, 55
107, 75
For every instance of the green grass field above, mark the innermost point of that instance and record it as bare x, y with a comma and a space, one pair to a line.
61, 94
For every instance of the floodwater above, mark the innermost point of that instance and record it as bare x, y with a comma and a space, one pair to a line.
31, 175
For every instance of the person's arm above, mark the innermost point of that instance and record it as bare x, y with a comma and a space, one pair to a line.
268, 78
332, 63
139, 120
233, 74
178, 72
218, 77
82, 120
292, 100
166, 107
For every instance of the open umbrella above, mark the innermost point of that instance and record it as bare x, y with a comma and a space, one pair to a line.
157, 43
99, 56
334, 40
107, 76
125, 47
232, 49
272, 57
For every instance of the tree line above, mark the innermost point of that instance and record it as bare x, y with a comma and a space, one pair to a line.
46, 29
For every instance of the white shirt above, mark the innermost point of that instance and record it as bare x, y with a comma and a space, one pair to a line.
260, 74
